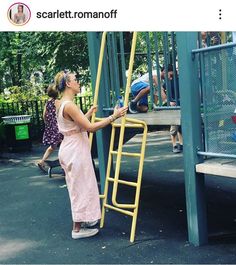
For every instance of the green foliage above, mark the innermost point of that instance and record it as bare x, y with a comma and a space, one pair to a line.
24, 93
141, 58
22, 53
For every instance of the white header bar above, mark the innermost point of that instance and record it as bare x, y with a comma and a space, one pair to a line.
119, 15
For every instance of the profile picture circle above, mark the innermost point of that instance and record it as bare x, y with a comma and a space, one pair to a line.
19, 14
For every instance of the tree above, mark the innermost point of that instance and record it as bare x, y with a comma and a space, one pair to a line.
22, 53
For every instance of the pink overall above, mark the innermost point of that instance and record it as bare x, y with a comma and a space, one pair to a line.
75, 158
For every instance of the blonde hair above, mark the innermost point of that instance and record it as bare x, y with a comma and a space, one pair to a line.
60, 80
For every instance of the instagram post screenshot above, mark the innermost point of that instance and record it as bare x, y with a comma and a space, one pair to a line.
117, 132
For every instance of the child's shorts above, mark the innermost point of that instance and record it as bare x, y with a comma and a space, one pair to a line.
136, 88
174, 129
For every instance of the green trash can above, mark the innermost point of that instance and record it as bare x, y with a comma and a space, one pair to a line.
17, 131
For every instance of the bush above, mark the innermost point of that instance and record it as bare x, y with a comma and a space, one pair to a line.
24, 93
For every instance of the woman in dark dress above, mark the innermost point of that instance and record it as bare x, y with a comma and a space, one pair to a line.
51, 135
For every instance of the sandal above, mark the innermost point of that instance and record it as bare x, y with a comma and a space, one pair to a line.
42, 167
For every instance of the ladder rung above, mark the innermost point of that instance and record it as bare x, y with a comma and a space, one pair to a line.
128, 125
126, 154
118, 209
129, 183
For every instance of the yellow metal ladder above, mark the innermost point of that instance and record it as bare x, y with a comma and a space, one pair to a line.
128, 209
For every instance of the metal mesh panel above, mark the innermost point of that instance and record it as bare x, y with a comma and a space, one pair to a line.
219, 100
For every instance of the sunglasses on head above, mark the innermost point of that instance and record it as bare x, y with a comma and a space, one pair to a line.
68, 72
77, 77
65, 79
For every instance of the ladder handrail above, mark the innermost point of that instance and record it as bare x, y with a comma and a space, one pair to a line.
123, 120
140, 169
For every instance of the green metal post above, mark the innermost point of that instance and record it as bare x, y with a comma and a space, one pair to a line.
103, 135
166, 63
158, 68
149, 58
122, 58
191, 128
173, 62
111, 67
106, 80
115, 64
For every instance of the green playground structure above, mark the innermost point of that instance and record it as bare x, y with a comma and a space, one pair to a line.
207, 81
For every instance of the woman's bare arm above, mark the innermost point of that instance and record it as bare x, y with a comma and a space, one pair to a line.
72, 112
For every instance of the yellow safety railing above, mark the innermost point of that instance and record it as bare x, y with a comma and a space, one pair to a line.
125, 123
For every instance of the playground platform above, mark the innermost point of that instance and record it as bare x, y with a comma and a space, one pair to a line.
35, 219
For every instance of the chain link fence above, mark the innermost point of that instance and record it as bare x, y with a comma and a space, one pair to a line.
219, 99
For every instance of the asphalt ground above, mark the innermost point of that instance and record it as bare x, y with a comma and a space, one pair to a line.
35, 218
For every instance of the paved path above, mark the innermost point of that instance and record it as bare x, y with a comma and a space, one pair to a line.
35, 219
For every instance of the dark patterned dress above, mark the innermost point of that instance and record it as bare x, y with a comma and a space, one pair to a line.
51, 134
